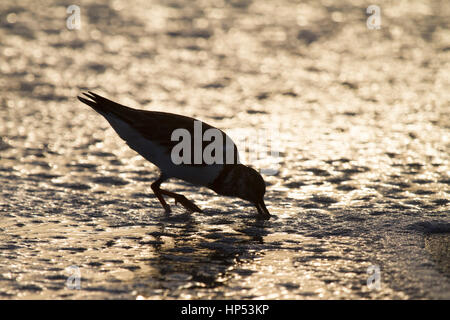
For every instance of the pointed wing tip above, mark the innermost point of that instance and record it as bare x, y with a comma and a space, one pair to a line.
84, 100
89, 95
92, 100
94, 95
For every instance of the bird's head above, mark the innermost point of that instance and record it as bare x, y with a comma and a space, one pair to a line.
246, 183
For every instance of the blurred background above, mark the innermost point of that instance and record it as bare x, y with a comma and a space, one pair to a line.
359, 106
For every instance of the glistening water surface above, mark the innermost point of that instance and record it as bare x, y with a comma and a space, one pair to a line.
361, 120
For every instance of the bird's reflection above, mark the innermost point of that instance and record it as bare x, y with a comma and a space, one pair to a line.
203, 249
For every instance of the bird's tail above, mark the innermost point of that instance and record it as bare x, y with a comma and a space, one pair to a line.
106, 107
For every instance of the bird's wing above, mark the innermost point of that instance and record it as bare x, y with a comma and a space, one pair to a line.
153, 125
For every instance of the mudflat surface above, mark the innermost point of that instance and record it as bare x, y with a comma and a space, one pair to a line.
360, 117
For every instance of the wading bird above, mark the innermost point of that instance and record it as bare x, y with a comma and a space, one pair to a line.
149, 133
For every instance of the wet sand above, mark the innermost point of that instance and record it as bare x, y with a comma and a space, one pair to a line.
361, 117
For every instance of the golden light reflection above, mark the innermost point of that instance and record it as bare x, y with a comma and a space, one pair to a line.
360, 119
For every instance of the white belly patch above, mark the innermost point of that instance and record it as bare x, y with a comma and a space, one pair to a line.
158, 155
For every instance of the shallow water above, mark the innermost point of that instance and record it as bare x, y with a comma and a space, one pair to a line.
360, 117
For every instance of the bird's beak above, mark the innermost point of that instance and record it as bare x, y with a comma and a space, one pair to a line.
262, 210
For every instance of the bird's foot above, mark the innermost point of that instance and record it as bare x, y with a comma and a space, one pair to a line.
167, 209
188, 204
262, 217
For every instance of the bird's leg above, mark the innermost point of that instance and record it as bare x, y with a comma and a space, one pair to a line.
179, 198
158, 193
189, 205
